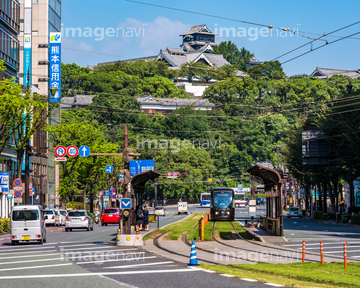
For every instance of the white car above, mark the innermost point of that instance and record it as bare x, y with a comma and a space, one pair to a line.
63, 214
79, 219
159, 211
182, 208
51, 217
294, 212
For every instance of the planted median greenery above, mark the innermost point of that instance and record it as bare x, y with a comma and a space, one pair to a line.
4, 225
296, 274
186, 225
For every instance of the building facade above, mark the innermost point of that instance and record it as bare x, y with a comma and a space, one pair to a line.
39, 19
9, 31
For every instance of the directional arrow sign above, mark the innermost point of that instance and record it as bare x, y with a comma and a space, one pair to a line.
84, 151
125, 203
109, 169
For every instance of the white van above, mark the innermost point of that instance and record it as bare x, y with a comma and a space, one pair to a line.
182, 208
27, 224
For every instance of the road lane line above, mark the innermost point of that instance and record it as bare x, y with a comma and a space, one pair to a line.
273, 284
342, 251
25, 252
60, 229
137, 265
328, 243
339, 246
247, 279
29, 261
27, 256
227, 275
35, 267
116, 260
95, 274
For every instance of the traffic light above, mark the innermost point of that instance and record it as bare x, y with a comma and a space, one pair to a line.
183, 175
128, 155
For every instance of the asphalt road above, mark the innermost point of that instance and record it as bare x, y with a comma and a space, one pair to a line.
90, 259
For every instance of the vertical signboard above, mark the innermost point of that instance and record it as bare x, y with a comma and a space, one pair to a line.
4, 182
357, 193
27, 41
55, 65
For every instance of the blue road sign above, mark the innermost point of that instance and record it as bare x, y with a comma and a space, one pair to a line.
108, 192
17, 194
114, 196
109, 169
138, 166
4, 182
125, 203
113, 190
121, 175
84, 151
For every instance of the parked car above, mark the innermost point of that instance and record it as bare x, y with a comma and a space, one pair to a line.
63, 214
294, 212
159, 211
79, 219
51, 217
27, 224
110, 216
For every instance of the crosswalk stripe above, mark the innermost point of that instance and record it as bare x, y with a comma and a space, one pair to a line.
30, 261
25, 252
27, 256
35, 267
88, 248
20, 249
95, 274
116, 260
136, 265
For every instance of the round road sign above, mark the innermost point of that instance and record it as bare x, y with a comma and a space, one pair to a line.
109, 169
17, 182
169, 173
17, 194
174, 173
72, 151
114, 196
100, 193
60, 151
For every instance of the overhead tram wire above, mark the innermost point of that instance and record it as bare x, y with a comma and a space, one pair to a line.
224, 18
325, 34
303, 54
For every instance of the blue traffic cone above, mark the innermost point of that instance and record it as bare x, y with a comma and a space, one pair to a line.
193, 257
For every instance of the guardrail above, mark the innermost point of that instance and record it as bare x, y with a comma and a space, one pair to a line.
202, 223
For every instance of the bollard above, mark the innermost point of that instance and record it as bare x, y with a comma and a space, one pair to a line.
345, 264
322, 252
303, 254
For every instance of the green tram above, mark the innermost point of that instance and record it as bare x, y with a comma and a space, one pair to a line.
222, 204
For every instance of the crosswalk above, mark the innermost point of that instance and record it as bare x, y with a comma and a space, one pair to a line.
97, 264
331, 248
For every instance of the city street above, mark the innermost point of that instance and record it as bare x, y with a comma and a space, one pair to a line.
90, 259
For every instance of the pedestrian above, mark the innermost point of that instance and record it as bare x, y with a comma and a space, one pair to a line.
146, 218
139, 218
143, 204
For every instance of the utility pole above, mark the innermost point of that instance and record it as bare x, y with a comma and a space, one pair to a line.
155, 181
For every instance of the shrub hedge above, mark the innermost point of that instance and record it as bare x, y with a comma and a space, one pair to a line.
4, 225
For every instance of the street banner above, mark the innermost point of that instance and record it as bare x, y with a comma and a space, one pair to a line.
55, 65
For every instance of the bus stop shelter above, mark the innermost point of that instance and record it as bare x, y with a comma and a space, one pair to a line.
273, 222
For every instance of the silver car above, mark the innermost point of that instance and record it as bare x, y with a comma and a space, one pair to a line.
51, 217
78, 219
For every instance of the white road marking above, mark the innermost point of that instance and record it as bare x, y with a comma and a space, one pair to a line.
116, 260
27, 256
94, 274
35, 267
20, 249
201, 269
227, 275
275, 285
250, 280
341, 251
136, 265
29, 261
88, 248
332, 247
327, 243
25, 252
77, 245
95, 253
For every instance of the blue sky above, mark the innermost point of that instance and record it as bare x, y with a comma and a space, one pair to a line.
114, 30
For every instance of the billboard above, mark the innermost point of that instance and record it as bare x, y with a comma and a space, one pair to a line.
55, 65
